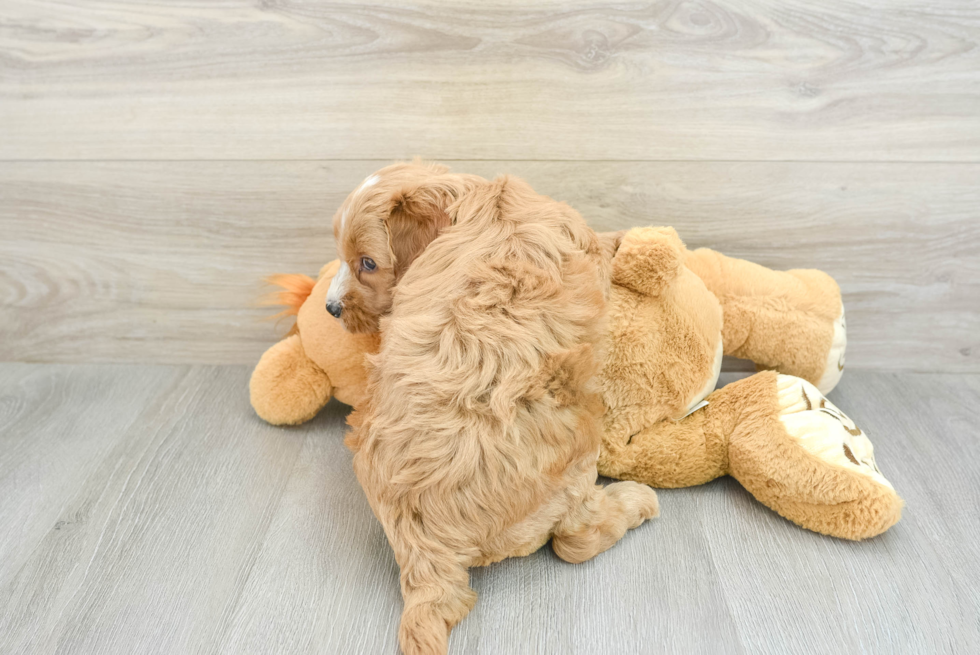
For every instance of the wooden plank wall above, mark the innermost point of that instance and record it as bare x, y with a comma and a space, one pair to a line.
158, 160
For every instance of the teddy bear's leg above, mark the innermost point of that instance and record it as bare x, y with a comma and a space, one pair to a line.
804, 458
790, 321
684, 452
668, 453
287, 388
778, 436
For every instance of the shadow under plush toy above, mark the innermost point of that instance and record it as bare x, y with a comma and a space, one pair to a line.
673, 314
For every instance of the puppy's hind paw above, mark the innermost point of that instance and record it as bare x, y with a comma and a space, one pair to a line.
639, 502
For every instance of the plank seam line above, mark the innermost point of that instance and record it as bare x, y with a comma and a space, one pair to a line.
543, 161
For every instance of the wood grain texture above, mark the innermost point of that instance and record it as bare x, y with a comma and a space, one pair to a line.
675, 79
146, 509
163, 261
150, 552
202, 530
924, 432
80, 415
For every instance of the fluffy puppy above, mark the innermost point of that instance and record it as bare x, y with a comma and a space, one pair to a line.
481, 438
380, 229
386, 223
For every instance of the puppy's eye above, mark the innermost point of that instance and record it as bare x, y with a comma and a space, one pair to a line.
368, 264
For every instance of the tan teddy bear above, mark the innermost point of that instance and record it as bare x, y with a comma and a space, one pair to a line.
673, 314
317, 359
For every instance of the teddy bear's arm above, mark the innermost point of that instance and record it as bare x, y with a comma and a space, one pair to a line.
287, 388
778, 436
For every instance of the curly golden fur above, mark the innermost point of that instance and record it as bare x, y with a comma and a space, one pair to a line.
481, 438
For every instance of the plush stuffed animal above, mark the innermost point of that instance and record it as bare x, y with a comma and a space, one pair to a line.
317, 359
673, 313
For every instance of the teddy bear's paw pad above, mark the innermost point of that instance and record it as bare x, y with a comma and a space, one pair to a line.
834, 366
823, 430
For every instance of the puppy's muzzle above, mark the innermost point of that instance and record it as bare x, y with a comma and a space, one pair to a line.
334, 308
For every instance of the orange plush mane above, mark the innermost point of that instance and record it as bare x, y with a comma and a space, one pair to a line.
294, 290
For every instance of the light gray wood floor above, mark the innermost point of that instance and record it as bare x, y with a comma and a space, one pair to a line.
145, 509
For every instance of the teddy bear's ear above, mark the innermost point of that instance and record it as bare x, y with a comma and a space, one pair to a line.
648, 259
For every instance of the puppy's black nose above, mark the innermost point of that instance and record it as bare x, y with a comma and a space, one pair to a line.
334, 308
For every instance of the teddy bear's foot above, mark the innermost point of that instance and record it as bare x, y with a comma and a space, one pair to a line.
834, 366
823, 430
820, 472
805, 459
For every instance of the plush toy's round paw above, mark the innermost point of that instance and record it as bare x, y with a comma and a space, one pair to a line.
286, 387
839, 490
834, 367
824, 430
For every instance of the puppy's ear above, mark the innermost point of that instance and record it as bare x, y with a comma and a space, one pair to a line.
417, 216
